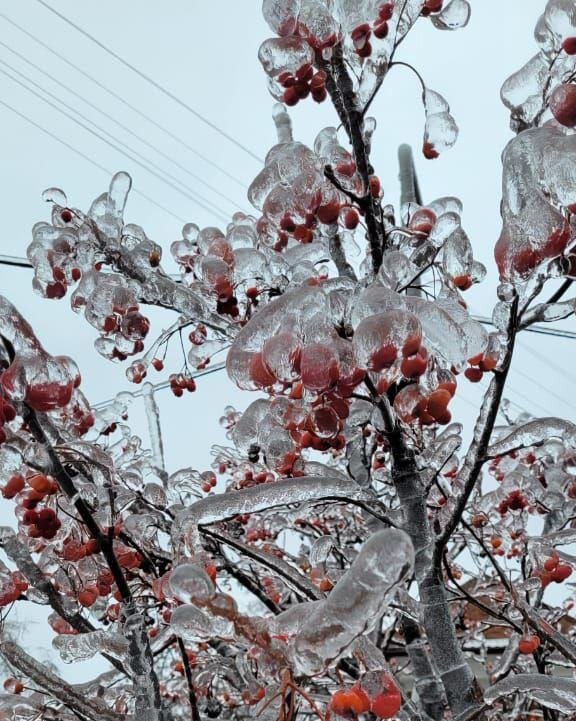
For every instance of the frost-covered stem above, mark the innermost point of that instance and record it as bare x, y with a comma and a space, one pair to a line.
339, 85
188, 673
428, 685
457, 677
154, 428
461, 688
339, 258
55, 686
304, 489
148, 702
476, 455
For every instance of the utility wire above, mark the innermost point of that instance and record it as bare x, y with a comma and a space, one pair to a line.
204, 203
20, 262
118, 97
558, 332
151, 81
92, 105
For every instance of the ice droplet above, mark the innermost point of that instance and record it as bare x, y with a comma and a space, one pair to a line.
190, 583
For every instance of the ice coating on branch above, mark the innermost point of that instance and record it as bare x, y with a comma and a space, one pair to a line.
86, 645
44, 382
259, 498
527, 92
538, 184
355, 603
552, 692
534, 433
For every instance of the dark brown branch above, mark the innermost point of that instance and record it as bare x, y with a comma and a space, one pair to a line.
188, 673
68, 695
341, 90
66, 485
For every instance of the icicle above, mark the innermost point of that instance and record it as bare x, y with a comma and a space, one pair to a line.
535, 433
154, 429
283, 123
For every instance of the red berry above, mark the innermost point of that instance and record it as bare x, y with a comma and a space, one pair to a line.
66, 215
381, 31
374, 184
569, 46
474, 375
528, 644
413, 366
429, 151
561, 572
290, 96
563, 104
328, 213
351, 219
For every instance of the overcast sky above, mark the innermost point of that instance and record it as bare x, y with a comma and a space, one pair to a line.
206, 54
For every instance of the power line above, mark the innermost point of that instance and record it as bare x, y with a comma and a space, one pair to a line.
557, 332
118, 97
24, 264
150, 80
106, 115
204, 203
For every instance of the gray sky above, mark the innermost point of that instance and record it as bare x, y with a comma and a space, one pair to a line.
206, 53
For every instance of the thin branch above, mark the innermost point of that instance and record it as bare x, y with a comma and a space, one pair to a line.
54, 685
476, 455
188, 673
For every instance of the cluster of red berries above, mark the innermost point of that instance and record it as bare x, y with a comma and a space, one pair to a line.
74, 550
514, 501
553, 571
305, 82
434, 407
479, 364
361, 34
325, 213
249, 479
355, 701
179, 382
11, 588
209, 481
41, 524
